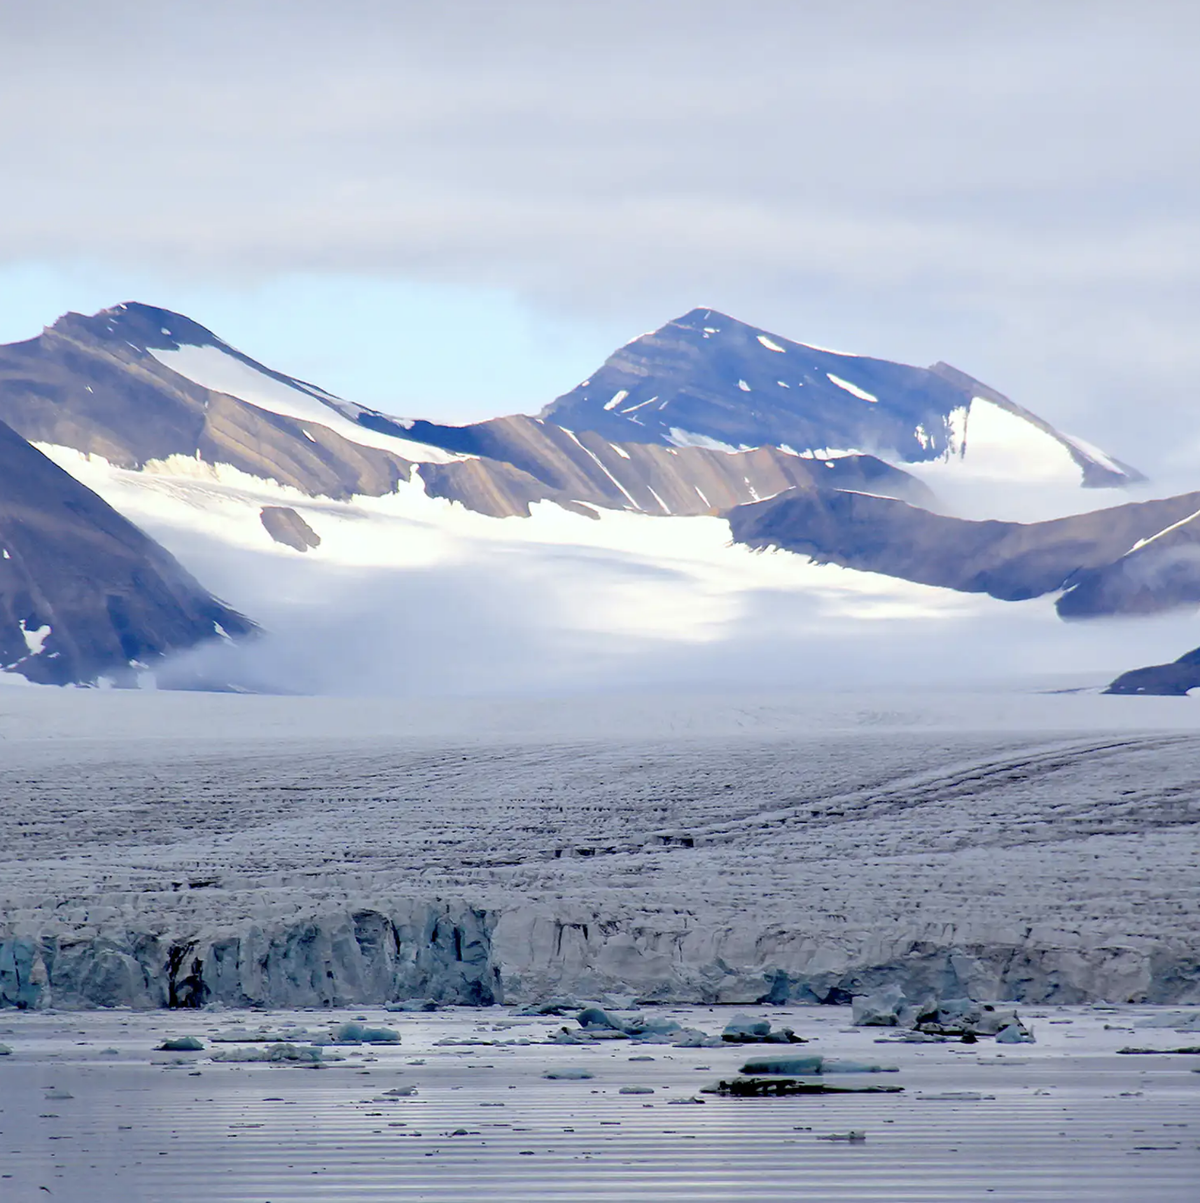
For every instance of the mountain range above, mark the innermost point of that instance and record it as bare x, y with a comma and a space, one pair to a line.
840, 459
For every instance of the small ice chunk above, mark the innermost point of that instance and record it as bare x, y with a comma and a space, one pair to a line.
796, 1067
567, 1075
878, 1010
741, 1029
357, 1033
1015, 1033
181, 1044
279, 1054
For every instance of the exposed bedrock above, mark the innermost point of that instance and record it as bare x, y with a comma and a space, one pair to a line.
456, 953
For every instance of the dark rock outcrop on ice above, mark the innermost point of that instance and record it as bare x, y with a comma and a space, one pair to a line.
83, 592
707, 376
1008, 560
1163, 680
285, 526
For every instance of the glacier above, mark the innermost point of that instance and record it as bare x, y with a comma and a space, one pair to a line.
185, 850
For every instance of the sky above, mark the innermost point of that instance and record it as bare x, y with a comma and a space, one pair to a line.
461, 209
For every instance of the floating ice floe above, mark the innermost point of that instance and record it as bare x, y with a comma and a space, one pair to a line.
180, 1044
358, 1033
954, 1017
741, 1029
281, 1054
810, 1066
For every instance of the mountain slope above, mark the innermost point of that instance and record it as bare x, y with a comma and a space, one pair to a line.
139, 386
1012, 561
707, 379
1162, 680
1160, 572
83, 592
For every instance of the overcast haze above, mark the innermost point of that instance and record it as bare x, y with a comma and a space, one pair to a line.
1011, 190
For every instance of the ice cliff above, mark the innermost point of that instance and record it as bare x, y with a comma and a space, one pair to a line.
452, 952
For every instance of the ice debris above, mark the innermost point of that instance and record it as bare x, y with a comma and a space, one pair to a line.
812, 1065
286, 1034
5, 1051
771, 1087
879, 1010
567, 1075
961, 1017
1014, 1033
741, 1029
280, 1054
1189, 1051
597, 1024
357, 1033
180, 1044
1180, 1021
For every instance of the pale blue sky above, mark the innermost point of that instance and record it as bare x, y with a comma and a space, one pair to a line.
439, 351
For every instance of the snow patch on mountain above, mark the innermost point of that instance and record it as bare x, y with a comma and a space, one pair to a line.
688, 438
1000, 465
215, 369
35, 639
852, 389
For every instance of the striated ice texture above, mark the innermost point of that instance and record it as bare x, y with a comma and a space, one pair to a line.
425, 951
181, 851
453, 953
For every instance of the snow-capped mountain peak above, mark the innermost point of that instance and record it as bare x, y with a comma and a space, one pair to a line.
708, 379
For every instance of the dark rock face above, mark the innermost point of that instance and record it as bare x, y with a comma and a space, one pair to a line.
708, 375
1162, 574
285, 526
83, 592
1008, 560
88, 383
526, 459
1163, 680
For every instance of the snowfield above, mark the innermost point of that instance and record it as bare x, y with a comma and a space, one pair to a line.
180, 849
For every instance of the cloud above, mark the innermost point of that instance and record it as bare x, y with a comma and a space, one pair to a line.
1008, 187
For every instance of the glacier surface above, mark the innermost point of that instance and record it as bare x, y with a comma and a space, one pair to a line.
181, 850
